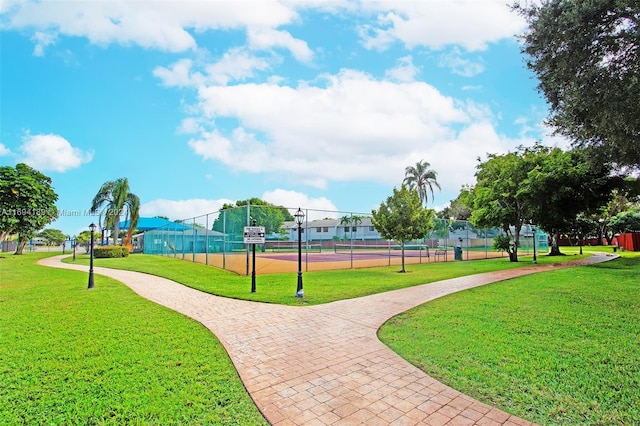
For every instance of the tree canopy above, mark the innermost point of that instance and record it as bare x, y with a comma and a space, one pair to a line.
421, 178
586, 55
53, 237
402, 217
628, 221
233, 218
27, 202
460, 208
546, 186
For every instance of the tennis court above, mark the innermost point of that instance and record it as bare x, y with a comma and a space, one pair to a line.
322, 258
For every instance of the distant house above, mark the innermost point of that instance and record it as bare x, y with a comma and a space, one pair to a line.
329, 229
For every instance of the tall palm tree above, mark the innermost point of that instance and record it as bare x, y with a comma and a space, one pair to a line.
421, 178
114, 200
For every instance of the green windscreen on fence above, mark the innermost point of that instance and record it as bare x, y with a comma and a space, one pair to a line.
218, 238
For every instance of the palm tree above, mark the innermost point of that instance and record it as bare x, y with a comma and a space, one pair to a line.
421, 178
115, 199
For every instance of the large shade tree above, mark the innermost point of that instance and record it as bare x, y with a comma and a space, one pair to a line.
586, 55
234, 217
546, 186
27, 203
501, 197
403, 218
114, 200
421, 178
565, 185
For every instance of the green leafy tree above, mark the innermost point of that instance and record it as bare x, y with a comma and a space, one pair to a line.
53, 237
501, 197
233, 217
545, 185
628, 221
582, 228
565, 185
352, 220
27, 203
421, 178
586, 55
112, 201
84, 239
461, 207
403, 218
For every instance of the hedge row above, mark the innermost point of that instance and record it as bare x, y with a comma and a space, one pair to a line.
110, 251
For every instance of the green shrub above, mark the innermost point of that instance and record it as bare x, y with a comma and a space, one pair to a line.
110, 251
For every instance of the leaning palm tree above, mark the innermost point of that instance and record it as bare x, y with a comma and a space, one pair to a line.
421, 178
113, 200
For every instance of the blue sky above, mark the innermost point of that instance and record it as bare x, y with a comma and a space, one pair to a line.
319, 104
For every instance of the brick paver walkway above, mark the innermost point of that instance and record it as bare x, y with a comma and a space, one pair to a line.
324, 365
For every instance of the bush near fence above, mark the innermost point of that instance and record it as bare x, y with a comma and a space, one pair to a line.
110, 251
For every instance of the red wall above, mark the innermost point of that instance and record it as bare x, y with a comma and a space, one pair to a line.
628, 241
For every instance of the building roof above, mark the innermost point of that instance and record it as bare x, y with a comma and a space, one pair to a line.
149, 223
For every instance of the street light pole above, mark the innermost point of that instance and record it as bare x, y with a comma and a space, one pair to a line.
92, 227
253, 271
74, 247
533, 230
299, 215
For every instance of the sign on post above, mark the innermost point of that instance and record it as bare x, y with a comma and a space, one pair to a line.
254, 234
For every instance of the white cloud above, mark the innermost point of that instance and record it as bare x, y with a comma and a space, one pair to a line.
178, 74
42, 40
471, 24
184, 209
404, 72
315, 208
348, 127
52, 152
4, 150
236, 65
198, 208
171, 25
268, 38
162, 25
460, 65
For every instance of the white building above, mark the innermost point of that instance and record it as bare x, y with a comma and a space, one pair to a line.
330, 230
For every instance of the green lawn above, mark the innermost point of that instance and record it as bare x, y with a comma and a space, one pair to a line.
106, 356
556, 348
561, 347
319, 286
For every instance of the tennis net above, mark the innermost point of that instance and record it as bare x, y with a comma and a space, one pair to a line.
385, 249
290, 246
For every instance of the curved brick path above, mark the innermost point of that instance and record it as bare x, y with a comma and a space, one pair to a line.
323, 364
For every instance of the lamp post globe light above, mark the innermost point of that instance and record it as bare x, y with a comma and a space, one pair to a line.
299, 215
92, 227
74, 247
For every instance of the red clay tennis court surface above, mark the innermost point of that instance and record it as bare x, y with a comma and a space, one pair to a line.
275, 262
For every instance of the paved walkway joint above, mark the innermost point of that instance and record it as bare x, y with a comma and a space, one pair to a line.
323, 364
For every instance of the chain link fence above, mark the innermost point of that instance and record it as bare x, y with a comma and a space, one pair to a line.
329, 240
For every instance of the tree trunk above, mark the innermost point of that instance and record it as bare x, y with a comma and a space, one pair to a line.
513, 254
555, 248
116, 230
21, 244
402, 246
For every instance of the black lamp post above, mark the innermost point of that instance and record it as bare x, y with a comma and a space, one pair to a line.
74, 247
533, 232
93, 228
299, 215
253, 271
